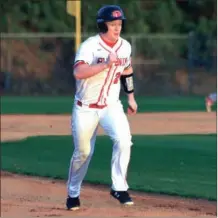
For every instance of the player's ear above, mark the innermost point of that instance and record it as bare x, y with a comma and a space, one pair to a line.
123, 26
102, 27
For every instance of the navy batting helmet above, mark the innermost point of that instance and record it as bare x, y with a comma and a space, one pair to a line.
109, 13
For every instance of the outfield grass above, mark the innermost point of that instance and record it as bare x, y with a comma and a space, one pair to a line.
176, 165
63, 105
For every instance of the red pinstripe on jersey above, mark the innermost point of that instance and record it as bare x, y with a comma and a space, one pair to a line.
112, 78
108, 74
105, 81
119, 46
110, 83
104, 47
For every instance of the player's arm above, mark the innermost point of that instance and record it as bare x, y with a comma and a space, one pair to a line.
128, 87
127, 78
128, 70
85, 66
84, 70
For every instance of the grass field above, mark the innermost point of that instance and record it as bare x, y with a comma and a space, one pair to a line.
63, 105
182, 165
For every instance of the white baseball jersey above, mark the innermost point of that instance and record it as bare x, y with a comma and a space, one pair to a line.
103, 88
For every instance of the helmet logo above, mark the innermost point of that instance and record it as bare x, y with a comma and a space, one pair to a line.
116, 14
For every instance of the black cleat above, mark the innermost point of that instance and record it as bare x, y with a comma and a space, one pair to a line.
122, 196
73, 203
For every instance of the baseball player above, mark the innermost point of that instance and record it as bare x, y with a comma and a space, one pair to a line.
210, 100
102, 64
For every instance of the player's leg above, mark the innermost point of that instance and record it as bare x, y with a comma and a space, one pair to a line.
84, 128
114, 121
209, 101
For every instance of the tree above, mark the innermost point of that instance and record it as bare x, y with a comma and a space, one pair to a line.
167, 16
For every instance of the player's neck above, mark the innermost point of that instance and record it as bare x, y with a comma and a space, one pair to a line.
108, 41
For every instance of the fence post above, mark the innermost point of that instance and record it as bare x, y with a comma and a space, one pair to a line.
133, 42
191, 54
9, 56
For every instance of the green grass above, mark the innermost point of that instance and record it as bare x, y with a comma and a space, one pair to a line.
183, 165
63, 105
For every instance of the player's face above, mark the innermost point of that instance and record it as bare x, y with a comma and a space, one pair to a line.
114, 29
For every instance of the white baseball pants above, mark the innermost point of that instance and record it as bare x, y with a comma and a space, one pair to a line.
84, 129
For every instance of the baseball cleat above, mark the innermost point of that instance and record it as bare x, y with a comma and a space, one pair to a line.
122, 196
73, 203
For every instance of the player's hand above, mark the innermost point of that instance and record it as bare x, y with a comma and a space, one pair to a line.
132, 106
112, 58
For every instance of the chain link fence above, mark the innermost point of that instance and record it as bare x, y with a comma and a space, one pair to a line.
164, 64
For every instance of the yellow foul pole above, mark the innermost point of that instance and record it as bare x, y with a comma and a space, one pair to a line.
74, 9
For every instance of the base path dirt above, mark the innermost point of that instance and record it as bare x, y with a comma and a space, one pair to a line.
23, 196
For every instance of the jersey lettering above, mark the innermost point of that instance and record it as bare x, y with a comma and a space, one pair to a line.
120, 61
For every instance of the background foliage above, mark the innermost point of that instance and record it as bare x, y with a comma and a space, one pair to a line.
169, 16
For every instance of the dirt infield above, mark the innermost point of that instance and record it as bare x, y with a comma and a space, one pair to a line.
35, 197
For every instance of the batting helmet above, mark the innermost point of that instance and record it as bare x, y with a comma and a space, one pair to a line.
109, 13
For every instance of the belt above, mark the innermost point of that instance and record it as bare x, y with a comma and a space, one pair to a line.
79, 103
